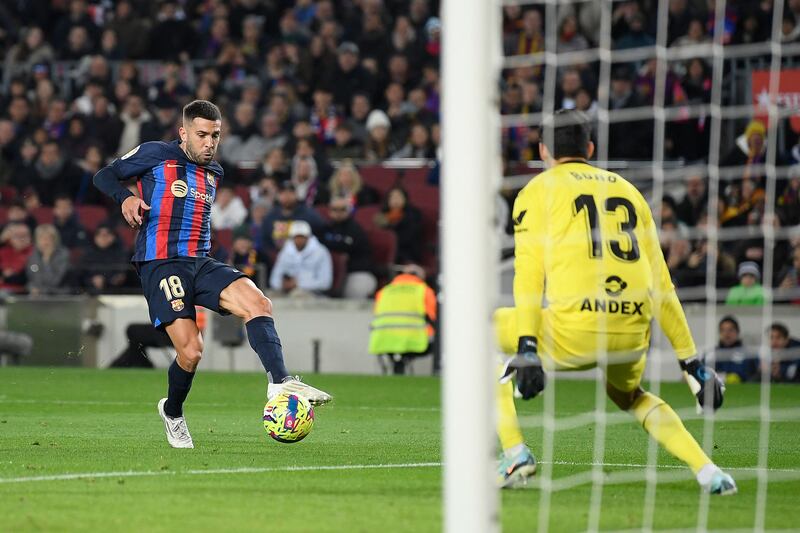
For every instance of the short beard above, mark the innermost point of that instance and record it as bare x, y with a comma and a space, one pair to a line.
193, 156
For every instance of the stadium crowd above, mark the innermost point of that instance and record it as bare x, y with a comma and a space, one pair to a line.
314, 94
684, 211
301, 84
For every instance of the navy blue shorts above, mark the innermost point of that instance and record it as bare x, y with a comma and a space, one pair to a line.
174, 286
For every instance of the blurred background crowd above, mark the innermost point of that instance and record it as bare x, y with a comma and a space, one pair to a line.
331, 117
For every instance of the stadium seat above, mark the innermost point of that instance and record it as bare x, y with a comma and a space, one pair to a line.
365, 216
43, 215
3, 215
7, 194
339, 260
224, 238
384, 247
243, 192
91, 216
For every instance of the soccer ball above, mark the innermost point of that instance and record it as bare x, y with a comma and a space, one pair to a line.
288, 418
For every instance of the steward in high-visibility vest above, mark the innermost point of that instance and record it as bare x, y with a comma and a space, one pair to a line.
404, 312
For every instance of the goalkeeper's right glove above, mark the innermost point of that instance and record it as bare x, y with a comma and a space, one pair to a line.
699, 377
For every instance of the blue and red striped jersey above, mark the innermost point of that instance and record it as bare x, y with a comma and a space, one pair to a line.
179, 193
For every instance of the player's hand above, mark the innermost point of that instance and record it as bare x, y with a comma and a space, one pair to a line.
132, 209
703, 381
531, 379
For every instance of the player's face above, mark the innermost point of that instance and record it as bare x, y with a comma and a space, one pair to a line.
200, 138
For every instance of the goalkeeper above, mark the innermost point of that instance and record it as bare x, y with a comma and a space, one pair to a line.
586, 244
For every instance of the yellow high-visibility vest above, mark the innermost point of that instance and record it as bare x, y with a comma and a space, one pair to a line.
399, 325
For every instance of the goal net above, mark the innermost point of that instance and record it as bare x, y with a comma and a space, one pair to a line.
698, 105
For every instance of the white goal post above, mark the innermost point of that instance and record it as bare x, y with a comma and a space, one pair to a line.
471, 175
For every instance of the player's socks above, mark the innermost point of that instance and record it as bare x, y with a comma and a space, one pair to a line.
664, 425
508, 429
180, 381
266, 343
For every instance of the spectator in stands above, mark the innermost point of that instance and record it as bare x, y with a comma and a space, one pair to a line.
529, 39
275, 228
172, 35
228, 210
305, 178
15, 248
360, 109
345, 146
627, 140
676, 247
130, 29
636, 35
378, 145
742, 195
303, 265
788, 204
418, 146
104, 126
18, 213
270, 136
324, 118
347, 183
105, 265
164, 125
785, 354
349, 76
31, 50
48, 264
569, 40
54, 173
749, 290
344, 235
695, 33
694, 202
134, 115
732, 361
753, 247
693, 272
273, 166
405, 220
71, 232
789, 278
245, 257
244, 142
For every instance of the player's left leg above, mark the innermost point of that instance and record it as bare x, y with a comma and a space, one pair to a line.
243, 299
663, 424
518, 463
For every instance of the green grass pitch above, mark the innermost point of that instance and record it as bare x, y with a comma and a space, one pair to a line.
57, 422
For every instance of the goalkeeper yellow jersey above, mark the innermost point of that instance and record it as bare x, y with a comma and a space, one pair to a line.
587, 248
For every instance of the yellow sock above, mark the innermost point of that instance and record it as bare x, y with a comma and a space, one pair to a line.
507, 423
664, 425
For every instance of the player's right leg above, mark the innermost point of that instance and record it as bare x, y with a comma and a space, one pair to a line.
664, 425
169, 289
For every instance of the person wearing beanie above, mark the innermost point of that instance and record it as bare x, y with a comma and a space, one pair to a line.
749, 290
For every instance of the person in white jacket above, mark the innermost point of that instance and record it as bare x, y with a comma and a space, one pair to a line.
303, 265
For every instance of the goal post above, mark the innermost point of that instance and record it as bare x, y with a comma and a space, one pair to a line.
470, 165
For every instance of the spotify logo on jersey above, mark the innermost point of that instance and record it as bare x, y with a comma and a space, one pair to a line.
179, 188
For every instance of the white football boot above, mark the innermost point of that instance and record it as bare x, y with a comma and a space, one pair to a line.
176, 429
293, 385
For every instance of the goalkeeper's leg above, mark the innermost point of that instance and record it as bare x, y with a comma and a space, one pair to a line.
664, 425
517, 463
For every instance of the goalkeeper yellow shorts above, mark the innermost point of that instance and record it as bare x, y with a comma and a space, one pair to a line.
626, 354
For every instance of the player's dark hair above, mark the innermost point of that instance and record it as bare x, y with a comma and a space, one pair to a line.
780, 328
571, 134
732, 320
201, 109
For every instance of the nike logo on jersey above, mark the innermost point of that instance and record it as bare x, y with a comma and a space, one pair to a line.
169, 165
518, 219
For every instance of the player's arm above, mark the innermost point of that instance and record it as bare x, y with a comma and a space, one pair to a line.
530, 233
135, 163
702, 381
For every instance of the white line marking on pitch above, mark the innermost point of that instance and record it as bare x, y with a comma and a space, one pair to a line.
262, 470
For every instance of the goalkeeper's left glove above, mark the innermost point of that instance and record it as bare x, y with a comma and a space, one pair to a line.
531, 378
699, 377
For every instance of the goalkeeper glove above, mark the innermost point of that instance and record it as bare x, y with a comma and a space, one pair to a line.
699, 377
530, 375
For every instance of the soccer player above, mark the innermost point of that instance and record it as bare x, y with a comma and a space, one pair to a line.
177, 182
587, 245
